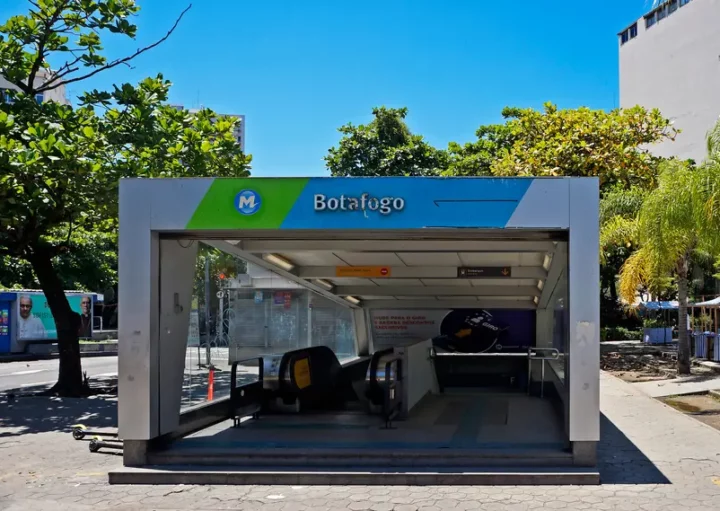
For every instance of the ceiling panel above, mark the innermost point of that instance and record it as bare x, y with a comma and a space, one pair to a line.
313, 258
430, 298
349, 281
429, 258
370, 258
490, 258
446, 282
398, 282
503, 282
509, 298
532, 259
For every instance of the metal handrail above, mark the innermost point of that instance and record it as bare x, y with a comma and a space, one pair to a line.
233, 373
392, 390
239, 398
533, 353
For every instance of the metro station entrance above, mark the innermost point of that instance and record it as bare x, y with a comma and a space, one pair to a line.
405, 330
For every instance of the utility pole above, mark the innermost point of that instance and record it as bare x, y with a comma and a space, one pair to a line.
207, 311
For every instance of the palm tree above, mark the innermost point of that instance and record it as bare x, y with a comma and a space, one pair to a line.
677, 219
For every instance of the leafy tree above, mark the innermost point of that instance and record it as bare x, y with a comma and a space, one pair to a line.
617, 205
89, 263
384, 147
676, 220
477, 158
584, 142
60, 166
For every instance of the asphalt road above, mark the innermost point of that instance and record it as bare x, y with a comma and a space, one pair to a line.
38, 373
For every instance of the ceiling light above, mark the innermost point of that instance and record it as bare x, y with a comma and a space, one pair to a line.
541, 284
536, 300
352, 300
324, 283
279, 261
547, 262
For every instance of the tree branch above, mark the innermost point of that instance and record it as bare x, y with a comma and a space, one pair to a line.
41, 47
49, 84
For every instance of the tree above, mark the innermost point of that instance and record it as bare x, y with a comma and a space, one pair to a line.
60, 166
617, 204
677, 219
584, 142
384, 147
88, 264
477, 158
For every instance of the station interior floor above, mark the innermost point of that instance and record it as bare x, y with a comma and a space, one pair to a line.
462, 420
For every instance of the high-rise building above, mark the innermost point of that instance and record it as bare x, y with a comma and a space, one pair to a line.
58, 95
670, 59
238, 132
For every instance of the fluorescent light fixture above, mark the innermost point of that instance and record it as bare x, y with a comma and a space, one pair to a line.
279, 261
536, 300
352, 300
547, 262
541, 284
324, 283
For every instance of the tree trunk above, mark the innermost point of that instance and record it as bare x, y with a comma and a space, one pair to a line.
683, 366
70, 380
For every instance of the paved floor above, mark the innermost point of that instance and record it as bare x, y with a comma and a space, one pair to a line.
652, 458
480, 421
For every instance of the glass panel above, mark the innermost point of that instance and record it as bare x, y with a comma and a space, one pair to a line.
252, 312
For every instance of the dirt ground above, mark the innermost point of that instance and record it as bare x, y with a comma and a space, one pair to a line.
635, 367
704, 407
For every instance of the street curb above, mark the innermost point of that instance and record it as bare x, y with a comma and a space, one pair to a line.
25, 357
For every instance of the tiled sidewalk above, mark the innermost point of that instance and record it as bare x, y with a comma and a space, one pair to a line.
652, 458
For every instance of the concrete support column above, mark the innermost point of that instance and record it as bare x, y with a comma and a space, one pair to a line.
583, 368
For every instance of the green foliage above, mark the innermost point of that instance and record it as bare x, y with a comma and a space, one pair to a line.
477, 158
585, 142
654, 323
60, 166
677, 220
384, 147
620, 334
89, 263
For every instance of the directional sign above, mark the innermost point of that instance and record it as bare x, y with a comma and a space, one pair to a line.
367, 272
480, 272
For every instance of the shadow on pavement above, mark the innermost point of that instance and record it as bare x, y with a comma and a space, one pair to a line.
28, 415
621, 462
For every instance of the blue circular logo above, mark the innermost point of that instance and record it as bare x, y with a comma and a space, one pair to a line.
247, 202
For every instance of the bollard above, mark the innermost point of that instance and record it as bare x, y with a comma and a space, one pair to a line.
211, 384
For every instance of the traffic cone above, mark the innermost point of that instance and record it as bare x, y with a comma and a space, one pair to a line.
211, 384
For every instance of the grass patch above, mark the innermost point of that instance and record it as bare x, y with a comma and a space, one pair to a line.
682, 406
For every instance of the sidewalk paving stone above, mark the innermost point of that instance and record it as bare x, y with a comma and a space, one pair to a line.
651, 457
679, 386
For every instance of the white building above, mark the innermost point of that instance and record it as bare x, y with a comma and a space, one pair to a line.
670, 59
58, 95
239, 131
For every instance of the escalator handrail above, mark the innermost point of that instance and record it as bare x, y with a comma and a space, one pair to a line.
233, 372
392, 388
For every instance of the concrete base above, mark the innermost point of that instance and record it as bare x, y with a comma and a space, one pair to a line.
368, 477
135, 453
584, 454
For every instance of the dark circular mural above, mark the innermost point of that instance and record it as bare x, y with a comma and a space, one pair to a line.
470, 331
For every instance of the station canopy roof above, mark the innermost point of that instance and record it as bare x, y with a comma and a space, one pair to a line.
501, 271
715, 302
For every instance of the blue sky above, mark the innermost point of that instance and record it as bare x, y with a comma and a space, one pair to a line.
299, 70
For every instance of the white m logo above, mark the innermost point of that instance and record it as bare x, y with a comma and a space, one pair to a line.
246, 202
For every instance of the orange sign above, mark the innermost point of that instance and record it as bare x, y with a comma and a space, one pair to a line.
367, 272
